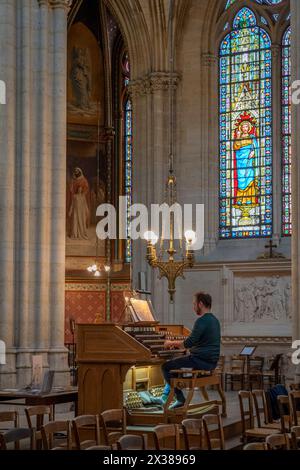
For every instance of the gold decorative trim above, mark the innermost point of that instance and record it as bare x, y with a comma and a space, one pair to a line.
226, 340
84, 286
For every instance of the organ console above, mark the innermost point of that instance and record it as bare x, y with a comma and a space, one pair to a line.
117, 362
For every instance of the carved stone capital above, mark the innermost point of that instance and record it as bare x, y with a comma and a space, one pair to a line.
138, 88
155, 81
163, 81
208, 59
65, 4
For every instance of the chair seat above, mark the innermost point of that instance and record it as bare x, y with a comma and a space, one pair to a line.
260, 432
271, 426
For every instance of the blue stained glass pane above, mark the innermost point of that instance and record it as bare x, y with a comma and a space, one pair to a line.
286, 134
246, 130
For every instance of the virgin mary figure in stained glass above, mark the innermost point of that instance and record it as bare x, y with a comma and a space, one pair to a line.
246, 153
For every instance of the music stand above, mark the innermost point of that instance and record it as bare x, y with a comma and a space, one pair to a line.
248, 351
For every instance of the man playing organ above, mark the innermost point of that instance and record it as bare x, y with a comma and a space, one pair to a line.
203, 344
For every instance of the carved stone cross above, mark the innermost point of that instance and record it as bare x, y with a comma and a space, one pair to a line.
270, 246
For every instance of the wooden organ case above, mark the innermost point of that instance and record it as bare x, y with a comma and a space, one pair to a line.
115, 362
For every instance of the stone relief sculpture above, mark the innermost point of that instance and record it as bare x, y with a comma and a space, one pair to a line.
262, 299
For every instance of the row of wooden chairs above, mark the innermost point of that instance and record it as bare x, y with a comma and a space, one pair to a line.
264, 425
249, 373
206, 432
278, 441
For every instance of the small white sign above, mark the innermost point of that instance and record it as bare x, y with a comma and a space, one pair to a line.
2, 92
37, 371
2, 353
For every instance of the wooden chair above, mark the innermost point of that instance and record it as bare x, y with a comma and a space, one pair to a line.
294, 386
295, 437
113, 423
272, 375
99, 448
213, 425
15, 435
295, 406
83, 424
15, 432
38, 412
247, 417
132, 442
49, 430
164, 434
254, 374
262, 412
236, 372
278, 442
192, 431
255, 446
219, 370
285, 413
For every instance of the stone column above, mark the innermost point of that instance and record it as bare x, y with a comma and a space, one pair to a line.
57, 215
33, 137
150, 98
295, 57
7, 195
209, 147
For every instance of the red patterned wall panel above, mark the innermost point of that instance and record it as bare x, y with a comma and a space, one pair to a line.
83, 303
83, 306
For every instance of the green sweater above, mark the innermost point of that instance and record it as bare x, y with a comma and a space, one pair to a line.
205, 338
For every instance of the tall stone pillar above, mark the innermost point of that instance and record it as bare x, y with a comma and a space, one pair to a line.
32, 192
7, 178
151, 133
295, 58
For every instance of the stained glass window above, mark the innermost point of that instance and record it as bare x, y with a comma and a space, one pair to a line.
286, 133
246, 130
127, 116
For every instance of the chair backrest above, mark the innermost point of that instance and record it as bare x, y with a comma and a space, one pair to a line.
285, 413
295, 406
294, 386
277, 442
83, 424
221, 364
169, 433
295, 434
261, 408
255, 446
192, 428
9, 416
213, 425
48, 430
237, 364
256, 364
246, 409
114, 424
132, 442
39, 412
